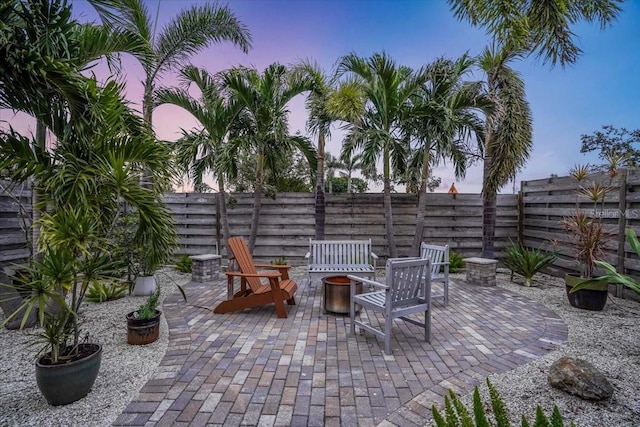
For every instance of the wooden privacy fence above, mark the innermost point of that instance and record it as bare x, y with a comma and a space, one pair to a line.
15, 214
545, 202
288, 222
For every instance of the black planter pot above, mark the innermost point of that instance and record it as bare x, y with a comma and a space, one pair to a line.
65, 383
593, 299
143, 331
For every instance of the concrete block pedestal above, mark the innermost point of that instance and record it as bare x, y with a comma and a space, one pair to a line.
481, 271
205, 268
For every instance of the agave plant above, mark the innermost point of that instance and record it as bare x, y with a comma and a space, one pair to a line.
527, 262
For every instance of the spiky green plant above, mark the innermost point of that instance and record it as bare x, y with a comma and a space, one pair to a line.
184, 264
527, 262
102, 292
456, 261
457, 415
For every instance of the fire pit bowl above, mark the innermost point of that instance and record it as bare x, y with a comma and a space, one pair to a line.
337, 295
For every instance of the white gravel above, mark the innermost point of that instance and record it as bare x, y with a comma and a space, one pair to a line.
608, 339
124, 369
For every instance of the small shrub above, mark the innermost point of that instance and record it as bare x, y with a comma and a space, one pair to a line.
279, 261
455, 261
456, 414
99, 292
148, 309
184, 264
527, 262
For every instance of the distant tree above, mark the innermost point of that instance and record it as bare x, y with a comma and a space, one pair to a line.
340, 185
613, 141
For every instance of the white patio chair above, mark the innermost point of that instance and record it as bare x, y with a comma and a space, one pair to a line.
406, 291
439, 256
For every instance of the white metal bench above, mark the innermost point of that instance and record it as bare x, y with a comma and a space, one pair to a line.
355, 257
439, 256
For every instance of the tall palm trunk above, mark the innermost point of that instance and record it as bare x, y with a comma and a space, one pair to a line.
422, 205
320, 206
257, 201
147, 116
224, 219
388, 213
488, 215
36, 213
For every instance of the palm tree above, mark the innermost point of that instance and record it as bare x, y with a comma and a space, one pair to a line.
189, 32
332, 164
387, 91
446, 119
200, 152
45, 52
319, 123
542, 28
264, 117
507, 142
350, 165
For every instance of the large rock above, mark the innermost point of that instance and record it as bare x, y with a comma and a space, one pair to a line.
580, 378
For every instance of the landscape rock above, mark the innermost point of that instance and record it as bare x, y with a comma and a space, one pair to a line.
580, 378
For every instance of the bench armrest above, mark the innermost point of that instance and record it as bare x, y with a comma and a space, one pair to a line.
307, 255
373, 255
368, 282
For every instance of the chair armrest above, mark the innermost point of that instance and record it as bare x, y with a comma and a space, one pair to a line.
368, 282
266, 275
273, 266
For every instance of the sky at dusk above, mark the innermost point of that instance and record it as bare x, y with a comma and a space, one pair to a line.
603, 88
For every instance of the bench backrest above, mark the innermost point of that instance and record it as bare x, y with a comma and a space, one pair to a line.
435, 253
340, 251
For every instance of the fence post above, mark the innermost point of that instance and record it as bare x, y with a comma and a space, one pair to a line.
520, 213
622, 223
219, 200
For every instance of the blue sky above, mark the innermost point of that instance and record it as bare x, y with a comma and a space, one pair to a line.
602, 88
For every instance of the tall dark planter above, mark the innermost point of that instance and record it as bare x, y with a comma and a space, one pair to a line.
593, 299
65, 383
143, 331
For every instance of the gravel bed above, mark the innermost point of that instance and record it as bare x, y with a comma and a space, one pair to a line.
608, 339
123, 371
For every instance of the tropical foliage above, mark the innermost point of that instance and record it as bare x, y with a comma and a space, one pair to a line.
542, 28
527, 262
611, 274
457, 415
377, 94
262, 126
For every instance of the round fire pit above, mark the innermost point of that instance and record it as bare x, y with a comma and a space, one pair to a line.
337, 295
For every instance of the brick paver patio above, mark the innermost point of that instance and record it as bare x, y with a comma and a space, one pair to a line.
251, 368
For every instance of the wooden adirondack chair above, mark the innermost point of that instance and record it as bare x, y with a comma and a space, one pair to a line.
276, 289
407, 290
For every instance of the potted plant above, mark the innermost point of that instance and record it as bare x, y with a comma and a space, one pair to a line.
611, 275
152, 250
588, 239
143, 324
67, 363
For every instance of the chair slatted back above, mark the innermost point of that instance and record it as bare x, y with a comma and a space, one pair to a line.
407, 278
340, 251
435, 253
242, 256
